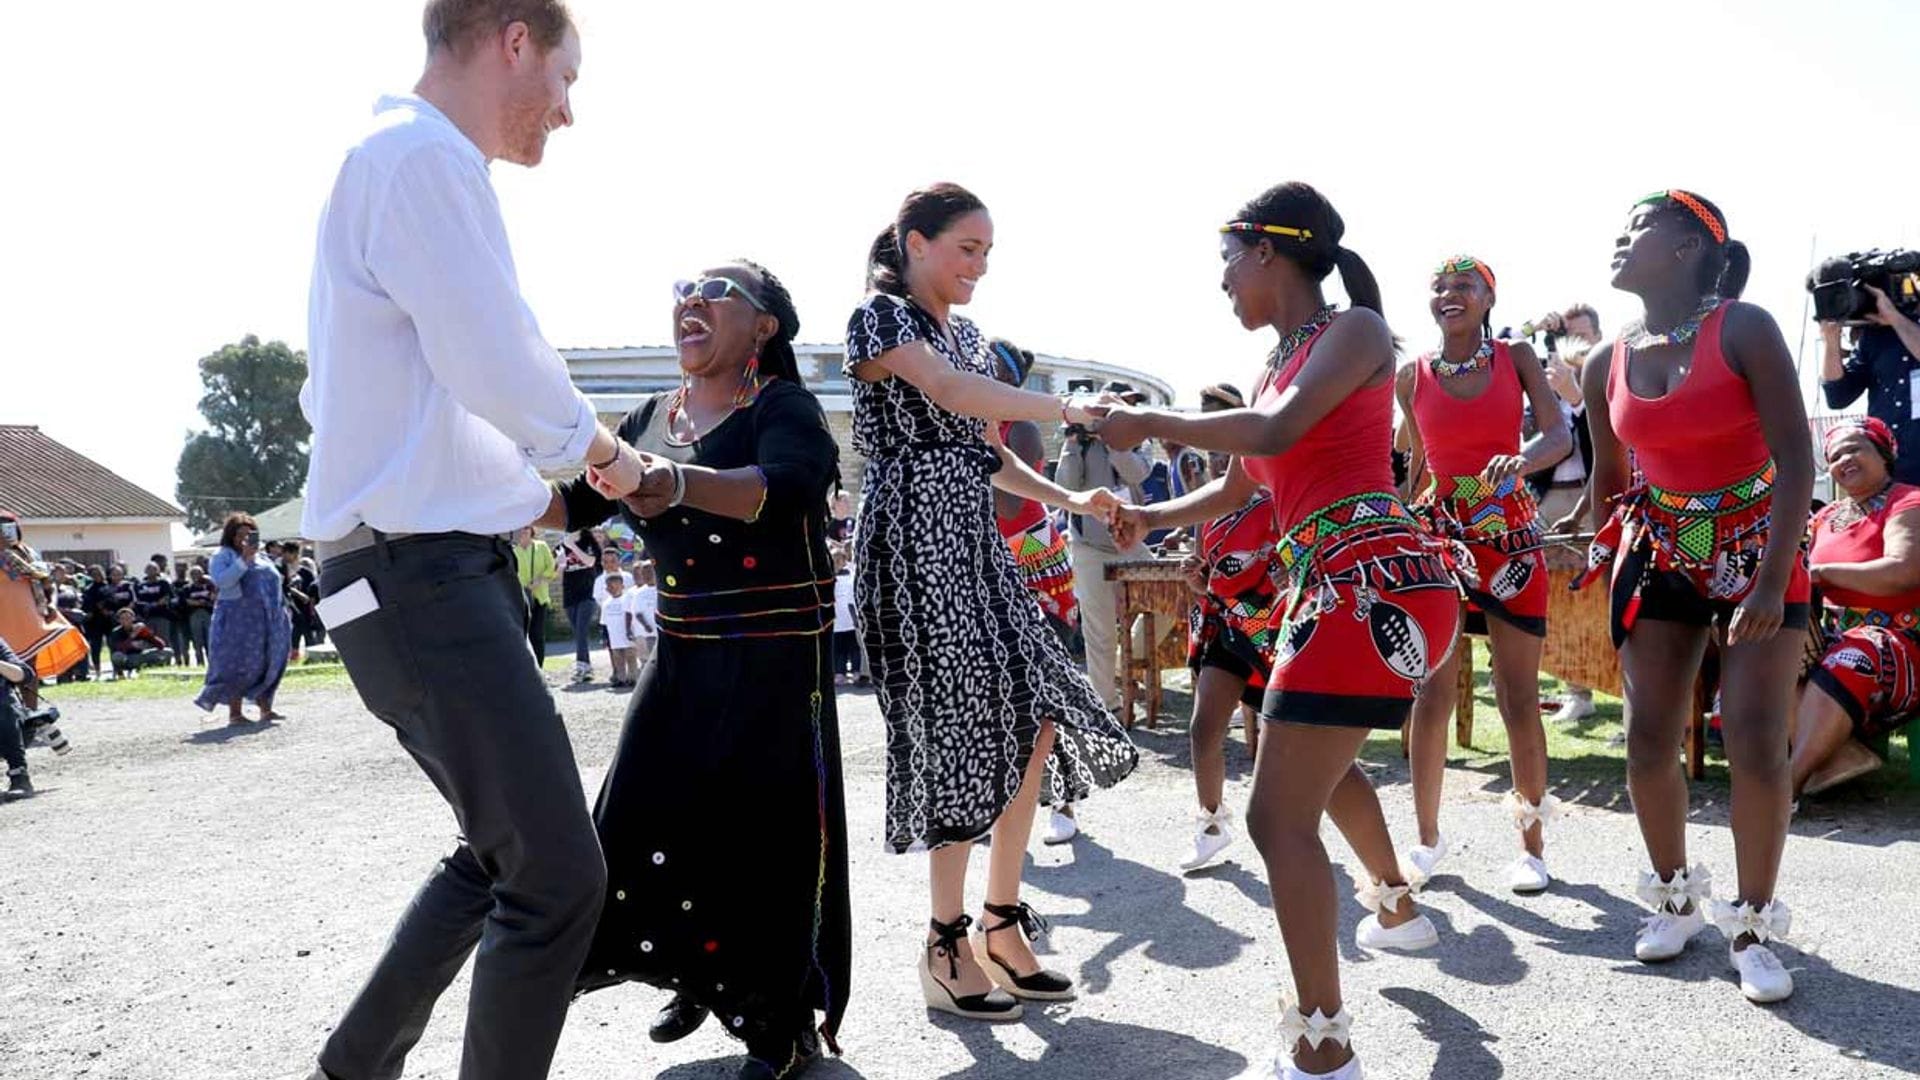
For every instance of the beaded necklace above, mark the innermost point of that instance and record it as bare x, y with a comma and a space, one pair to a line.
1641, 339
1290, 342
1848, 512
1449, 369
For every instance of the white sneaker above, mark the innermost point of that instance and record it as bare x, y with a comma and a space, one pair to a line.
1214, 837
1315, 1030
582, 673
1528, 875
1421, 859
1572, 710
1281, 1068
1407, 937
1664, 934
1763, 978
1060, 827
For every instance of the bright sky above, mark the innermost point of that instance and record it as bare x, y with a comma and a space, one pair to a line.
168, 164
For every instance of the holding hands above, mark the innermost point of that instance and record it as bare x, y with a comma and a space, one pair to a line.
646, 483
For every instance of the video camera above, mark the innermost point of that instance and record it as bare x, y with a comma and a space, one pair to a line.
1839, 285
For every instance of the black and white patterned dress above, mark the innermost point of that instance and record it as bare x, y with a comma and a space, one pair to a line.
964, 661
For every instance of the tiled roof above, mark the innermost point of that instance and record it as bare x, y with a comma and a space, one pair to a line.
39, 478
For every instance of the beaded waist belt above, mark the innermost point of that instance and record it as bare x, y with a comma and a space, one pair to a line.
1687, 531
797, 608
1503, 515
1309, 540
1842, 619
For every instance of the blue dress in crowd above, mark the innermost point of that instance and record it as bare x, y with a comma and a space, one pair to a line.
251, 635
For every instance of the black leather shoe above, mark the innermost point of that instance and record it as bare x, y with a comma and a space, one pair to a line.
782, 1061
18, 786
678, 1019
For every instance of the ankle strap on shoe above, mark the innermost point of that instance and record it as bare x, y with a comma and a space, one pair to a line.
1377, 896
1031, 923
1316, 1028
1769, 923
1684, 887
1526, 814
946, 941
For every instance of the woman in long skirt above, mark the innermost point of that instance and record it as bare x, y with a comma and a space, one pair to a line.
251, 634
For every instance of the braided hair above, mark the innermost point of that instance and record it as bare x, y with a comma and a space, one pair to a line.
776, 353
1725, 262
1317, 251
929, 212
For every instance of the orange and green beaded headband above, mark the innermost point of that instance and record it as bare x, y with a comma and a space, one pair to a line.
1302, 235
1688, 199
1460, 264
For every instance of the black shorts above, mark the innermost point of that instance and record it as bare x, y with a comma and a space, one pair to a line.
1670, 597
1214, 654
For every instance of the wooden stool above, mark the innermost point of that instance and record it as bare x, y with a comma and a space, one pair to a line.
1155, 591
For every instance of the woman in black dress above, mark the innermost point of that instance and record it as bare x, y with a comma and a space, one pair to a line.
742, 908
986, 713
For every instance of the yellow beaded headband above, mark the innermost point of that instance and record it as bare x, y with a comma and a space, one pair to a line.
1302, 235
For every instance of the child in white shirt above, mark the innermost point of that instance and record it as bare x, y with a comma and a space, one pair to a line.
645, 604
616, 614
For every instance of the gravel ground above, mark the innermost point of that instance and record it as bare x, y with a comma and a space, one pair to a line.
189, 901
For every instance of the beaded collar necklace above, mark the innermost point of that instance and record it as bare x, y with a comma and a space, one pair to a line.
1449, 369
1641, 339
1290, 342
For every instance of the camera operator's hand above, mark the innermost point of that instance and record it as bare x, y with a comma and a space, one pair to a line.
1551, 322
1564, 378
1884, 313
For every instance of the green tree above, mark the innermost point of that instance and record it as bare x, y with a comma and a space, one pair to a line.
253, 455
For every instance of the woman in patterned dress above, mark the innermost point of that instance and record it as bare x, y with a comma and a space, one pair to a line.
1370, 603
985, 711
1462, 407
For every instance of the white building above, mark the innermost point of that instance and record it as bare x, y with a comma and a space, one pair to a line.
71, 506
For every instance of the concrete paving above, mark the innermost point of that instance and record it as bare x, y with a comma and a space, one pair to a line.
187, 901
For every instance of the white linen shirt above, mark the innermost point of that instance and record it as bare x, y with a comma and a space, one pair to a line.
433, 398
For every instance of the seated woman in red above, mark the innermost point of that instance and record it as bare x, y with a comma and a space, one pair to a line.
1369, 604
1702, 393
1462, 409
1866, 562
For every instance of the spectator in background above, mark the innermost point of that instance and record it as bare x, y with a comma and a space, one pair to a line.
645, 606
197, 600
301, 592
623, 630
846, 628
610, 568
13, 747
536, 564
1087, 464
251, 634
840, 522
153, 603
178, 638
579, 558
1880, 365
134, 645
113, 593
1562, 492
1039, 546
68, 595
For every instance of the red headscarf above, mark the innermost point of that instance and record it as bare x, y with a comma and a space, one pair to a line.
1873, 428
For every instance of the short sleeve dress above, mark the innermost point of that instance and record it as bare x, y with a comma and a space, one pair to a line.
962, 657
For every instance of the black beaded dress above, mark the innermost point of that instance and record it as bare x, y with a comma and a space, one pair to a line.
722, 815
964, 661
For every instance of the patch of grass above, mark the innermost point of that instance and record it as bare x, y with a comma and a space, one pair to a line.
178, 683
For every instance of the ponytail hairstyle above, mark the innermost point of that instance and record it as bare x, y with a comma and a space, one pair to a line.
929, 212
776, 353
1726, 264
1304, 228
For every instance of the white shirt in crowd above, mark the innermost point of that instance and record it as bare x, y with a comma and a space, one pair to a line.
616, 614
646, 611
433, 397
843, 619
600, 586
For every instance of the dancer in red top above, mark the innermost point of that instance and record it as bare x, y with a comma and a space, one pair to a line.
1370, 604
1462, 408
1705, 531
1863, 557
1039, 549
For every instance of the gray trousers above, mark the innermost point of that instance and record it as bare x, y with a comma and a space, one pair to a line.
444, 662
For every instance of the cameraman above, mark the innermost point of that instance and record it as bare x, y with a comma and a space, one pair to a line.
1882, 365
1086, 464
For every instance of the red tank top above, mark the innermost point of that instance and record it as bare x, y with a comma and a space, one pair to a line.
1031, 512
1700, 437
1863, 541
1462, 434
1348, 452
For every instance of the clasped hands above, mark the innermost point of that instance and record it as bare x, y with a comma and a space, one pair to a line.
644, 482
